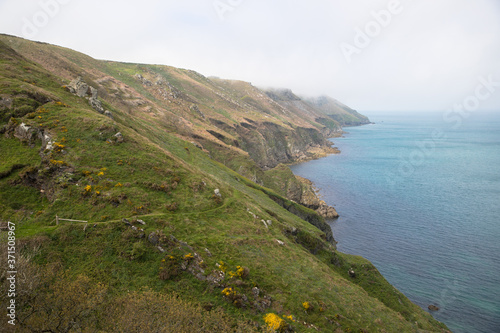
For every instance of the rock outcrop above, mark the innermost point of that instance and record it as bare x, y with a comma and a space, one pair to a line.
310, 198
80, 88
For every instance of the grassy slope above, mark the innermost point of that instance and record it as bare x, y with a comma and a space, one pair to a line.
153, 154
338, 111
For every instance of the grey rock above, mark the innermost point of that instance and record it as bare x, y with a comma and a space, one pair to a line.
24, 133
47, 143
108, 114
153, 238
81, 89
216, 278
196, 109
127, 222
140, 221
93, 93
201, 277
96, 105
217, 192
119, 139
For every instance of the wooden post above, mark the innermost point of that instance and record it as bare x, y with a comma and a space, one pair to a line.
57, 220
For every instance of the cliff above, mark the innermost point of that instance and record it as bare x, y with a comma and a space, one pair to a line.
172, 171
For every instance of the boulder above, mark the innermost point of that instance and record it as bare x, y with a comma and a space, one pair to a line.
153, 238
119, 139
108, 114
433, 307
25, 133
79, 87
96, 105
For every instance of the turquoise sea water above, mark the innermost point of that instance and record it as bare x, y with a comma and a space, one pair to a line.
420, 198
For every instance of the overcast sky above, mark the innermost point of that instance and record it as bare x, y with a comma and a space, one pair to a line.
390, 55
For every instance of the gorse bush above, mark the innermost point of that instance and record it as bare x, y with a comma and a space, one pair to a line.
274, 322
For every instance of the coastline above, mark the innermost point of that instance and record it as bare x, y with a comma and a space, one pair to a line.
312, 193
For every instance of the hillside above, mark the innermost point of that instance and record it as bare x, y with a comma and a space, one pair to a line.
183, 184
334, 109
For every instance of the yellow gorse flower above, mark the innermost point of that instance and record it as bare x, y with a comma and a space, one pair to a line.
274, 322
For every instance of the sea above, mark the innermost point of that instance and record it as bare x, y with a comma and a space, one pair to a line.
419, 196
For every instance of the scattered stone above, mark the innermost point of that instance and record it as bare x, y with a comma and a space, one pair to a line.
127, 222
119, 137
134, 228
280, 242
108, 114
433, 307
195, 108
216, 278
153, 238
200, 277
255, 291
141, 222
217, 192
269, 222
265, 223
160, 249
208, 252
143, 80
251, 213
352, 273
96, 105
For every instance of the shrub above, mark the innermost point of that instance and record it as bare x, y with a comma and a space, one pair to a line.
274, 322
308, 307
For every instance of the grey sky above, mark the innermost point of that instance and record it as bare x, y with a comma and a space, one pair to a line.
419, 55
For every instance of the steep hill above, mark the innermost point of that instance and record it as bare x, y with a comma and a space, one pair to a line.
172, 171
334, 109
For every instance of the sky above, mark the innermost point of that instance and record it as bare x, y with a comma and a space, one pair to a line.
373, 55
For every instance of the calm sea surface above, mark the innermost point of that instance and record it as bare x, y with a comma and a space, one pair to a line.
420, 198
